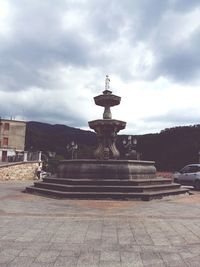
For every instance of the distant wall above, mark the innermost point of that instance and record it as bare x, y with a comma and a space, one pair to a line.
18, 171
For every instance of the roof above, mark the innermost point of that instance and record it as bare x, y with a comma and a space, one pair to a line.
12, 120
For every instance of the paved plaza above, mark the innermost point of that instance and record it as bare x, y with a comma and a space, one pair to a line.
42, 232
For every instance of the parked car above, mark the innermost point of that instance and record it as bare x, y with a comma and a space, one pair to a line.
189, 175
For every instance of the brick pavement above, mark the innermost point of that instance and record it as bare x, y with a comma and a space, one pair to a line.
37, 231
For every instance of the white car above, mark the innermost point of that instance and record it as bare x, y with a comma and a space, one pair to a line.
189, 175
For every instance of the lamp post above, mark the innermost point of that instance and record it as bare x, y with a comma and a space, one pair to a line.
130, 145
72, 147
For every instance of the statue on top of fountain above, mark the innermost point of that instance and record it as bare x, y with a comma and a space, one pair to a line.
107, 128
107, 83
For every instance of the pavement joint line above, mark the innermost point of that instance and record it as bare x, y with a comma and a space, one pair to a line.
75, 216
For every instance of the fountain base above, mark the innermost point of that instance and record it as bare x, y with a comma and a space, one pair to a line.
106, 169
106, 179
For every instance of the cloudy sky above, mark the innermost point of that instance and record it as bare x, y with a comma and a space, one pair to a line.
54, 56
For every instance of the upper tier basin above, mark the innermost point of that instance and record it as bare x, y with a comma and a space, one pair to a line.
107, 100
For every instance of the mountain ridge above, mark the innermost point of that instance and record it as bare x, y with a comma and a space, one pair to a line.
171, 149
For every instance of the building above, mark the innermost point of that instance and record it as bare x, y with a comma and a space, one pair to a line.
12, 138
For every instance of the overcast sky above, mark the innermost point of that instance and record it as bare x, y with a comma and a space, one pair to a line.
54, 56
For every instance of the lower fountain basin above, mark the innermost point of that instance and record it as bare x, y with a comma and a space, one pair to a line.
106, 169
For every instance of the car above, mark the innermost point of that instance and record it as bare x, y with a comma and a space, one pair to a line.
189, 175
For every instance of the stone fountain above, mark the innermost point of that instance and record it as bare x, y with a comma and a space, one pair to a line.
107, 176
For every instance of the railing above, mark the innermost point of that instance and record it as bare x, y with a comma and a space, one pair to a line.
26, 156
16, 158
34, 156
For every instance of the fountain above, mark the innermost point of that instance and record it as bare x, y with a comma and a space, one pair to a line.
107, 176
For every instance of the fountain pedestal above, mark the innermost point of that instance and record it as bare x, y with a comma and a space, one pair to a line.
106, 131
107, 128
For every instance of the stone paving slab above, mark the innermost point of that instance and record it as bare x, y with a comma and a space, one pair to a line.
37, 231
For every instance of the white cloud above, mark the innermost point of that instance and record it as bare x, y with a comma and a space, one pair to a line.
6, 13
54, 58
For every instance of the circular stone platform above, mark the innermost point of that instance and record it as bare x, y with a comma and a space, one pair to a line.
106, 169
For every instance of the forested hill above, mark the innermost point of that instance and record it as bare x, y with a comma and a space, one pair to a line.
47, 137
171, 148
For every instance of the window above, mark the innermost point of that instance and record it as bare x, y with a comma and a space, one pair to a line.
6, 126
185, 169
195, 169
5, 141
190, 169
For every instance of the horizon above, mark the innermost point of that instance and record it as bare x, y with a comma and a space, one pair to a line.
126, 133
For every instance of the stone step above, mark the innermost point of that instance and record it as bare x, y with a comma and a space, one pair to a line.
105, 188
134, 182
106, 195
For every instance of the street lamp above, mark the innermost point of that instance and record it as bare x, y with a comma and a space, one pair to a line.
72, 147
130, 145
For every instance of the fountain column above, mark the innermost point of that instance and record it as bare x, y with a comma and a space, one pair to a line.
107, 128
